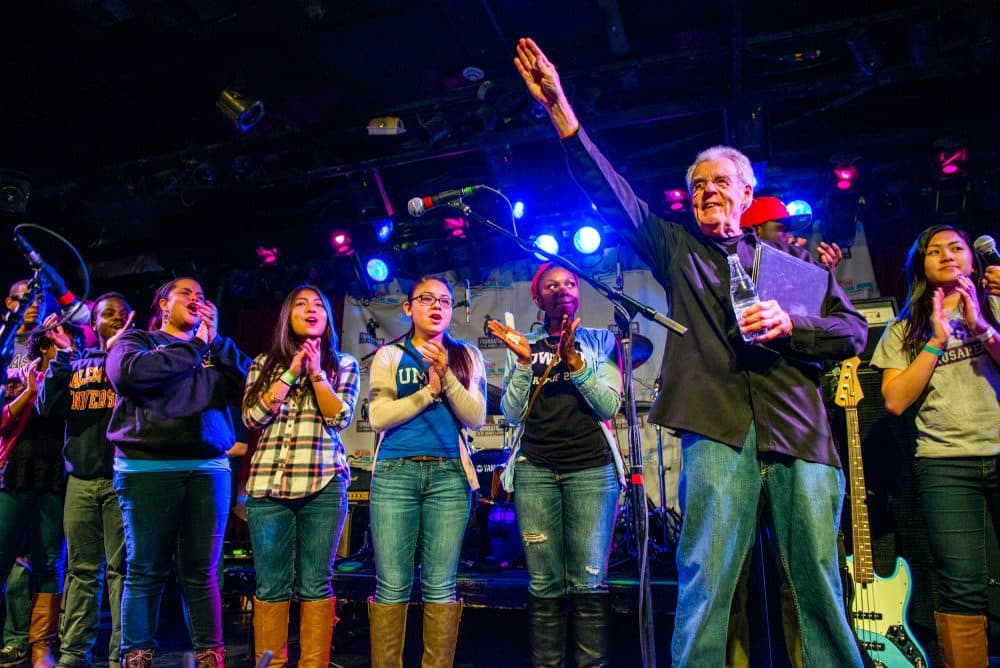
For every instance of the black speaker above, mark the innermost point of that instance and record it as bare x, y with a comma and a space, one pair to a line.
879, 312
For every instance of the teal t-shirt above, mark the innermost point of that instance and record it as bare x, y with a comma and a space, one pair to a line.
433, 432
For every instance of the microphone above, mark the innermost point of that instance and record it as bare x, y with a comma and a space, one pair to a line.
987, 249
74, 311
468, 303
418, 206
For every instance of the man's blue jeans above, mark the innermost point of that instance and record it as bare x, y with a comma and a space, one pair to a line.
430, 500
720, 487
567, 521
958, 497
295, 542
94, 537
166, 511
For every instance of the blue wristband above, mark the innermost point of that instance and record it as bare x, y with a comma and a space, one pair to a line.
932, 350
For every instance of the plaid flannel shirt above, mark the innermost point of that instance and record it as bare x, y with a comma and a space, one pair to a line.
300, 451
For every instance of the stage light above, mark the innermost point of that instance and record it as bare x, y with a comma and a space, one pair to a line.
245, 112
951, 158
676, 199
340, 240
267, 257
799, 207
518, 210
377, 269
844, 174
455, 227
547, 243
383, 229
587, 239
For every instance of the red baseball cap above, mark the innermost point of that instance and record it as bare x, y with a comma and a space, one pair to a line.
763, 209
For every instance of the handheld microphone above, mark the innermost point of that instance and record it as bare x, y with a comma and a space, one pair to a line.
468, 303
418, 206
74, 311
987, 249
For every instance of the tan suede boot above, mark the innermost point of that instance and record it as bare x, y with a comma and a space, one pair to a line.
962, 639
440, 634
43, 634
387, 633
316, 622
270, 631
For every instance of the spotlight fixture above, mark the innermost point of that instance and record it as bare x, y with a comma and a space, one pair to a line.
340, 240
844, 173
548, 243
377, 269
587, 239
383, 229
267, 257
677, 199
518, 210
951, 157
245, 112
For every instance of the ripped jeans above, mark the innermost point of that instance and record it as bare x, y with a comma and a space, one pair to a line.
566, 521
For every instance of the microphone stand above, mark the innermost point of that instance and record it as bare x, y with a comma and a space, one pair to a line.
626, 308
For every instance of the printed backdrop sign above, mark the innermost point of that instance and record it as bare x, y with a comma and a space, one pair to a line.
371, 323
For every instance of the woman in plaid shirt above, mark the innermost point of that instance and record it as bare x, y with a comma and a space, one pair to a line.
424, 391
301, 393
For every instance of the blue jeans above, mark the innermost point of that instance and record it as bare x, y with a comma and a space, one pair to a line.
720, 487
41, 516
567, 522
162, 512
411, 500
295, 542
94, 537
958, 497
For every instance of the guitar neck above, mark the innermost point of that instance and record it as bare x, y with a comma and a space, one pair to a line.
864, 571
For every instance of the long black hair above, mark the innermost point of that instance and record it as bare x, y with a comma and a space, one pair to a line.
285, 343
918, 310
459, 360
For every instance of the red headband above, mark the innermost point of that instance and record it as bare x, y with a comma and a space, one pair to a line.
538, 277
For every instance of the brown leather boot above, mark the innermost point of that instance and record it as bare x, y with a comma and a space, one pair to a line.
137, 658
962, 639
316, 622
387, 631
43, 634
440, 634
270, 631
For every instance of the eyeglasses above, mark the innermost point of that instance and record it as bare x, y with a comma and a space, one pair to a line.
427, 299
720, 181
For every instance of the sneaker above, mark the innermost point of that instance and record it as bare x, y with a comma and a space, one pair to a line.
12, 656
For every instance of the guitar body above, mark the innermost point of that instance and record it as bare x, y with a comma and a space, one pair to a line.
878, 611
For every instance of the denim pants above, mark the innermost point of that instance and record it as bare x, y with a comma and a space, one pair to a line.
162, 512
411, 500
17, 600
567, 522
720, 487
958, 497
94, 538
295, 542
41, 516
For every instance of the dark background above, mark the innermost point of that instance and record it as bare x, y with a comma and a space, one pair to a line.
110, 132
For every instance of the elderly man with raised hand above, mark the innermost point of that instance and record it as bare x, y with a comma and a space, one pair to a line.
750, 415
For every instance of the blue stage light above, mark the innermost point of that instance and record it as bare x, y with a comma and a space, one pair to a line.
518, 210
547, 243
799, 207
587, 239
383, 229
377, 269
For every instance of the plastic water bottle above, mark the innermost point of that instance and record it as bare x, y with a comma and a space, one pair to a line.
742, 292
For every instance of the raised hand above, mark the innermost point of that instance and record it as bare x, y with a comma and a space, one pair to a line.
33, 376
513, 339
113, 339
829, 254
209, 320
298, 362
311, 356
57, 335
435, 355
542, 80
940, 322
567, 344
433, 381
970, 305
769, 318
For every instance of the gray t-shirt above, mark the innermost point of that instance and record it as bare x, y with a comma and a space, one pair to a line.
958, 414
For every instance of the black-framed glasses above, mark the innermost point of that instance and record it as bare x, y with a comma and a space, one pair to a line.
427, 299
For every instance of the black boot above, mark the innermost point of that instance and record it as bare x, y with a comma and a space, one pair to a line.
547, 631
591, 629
